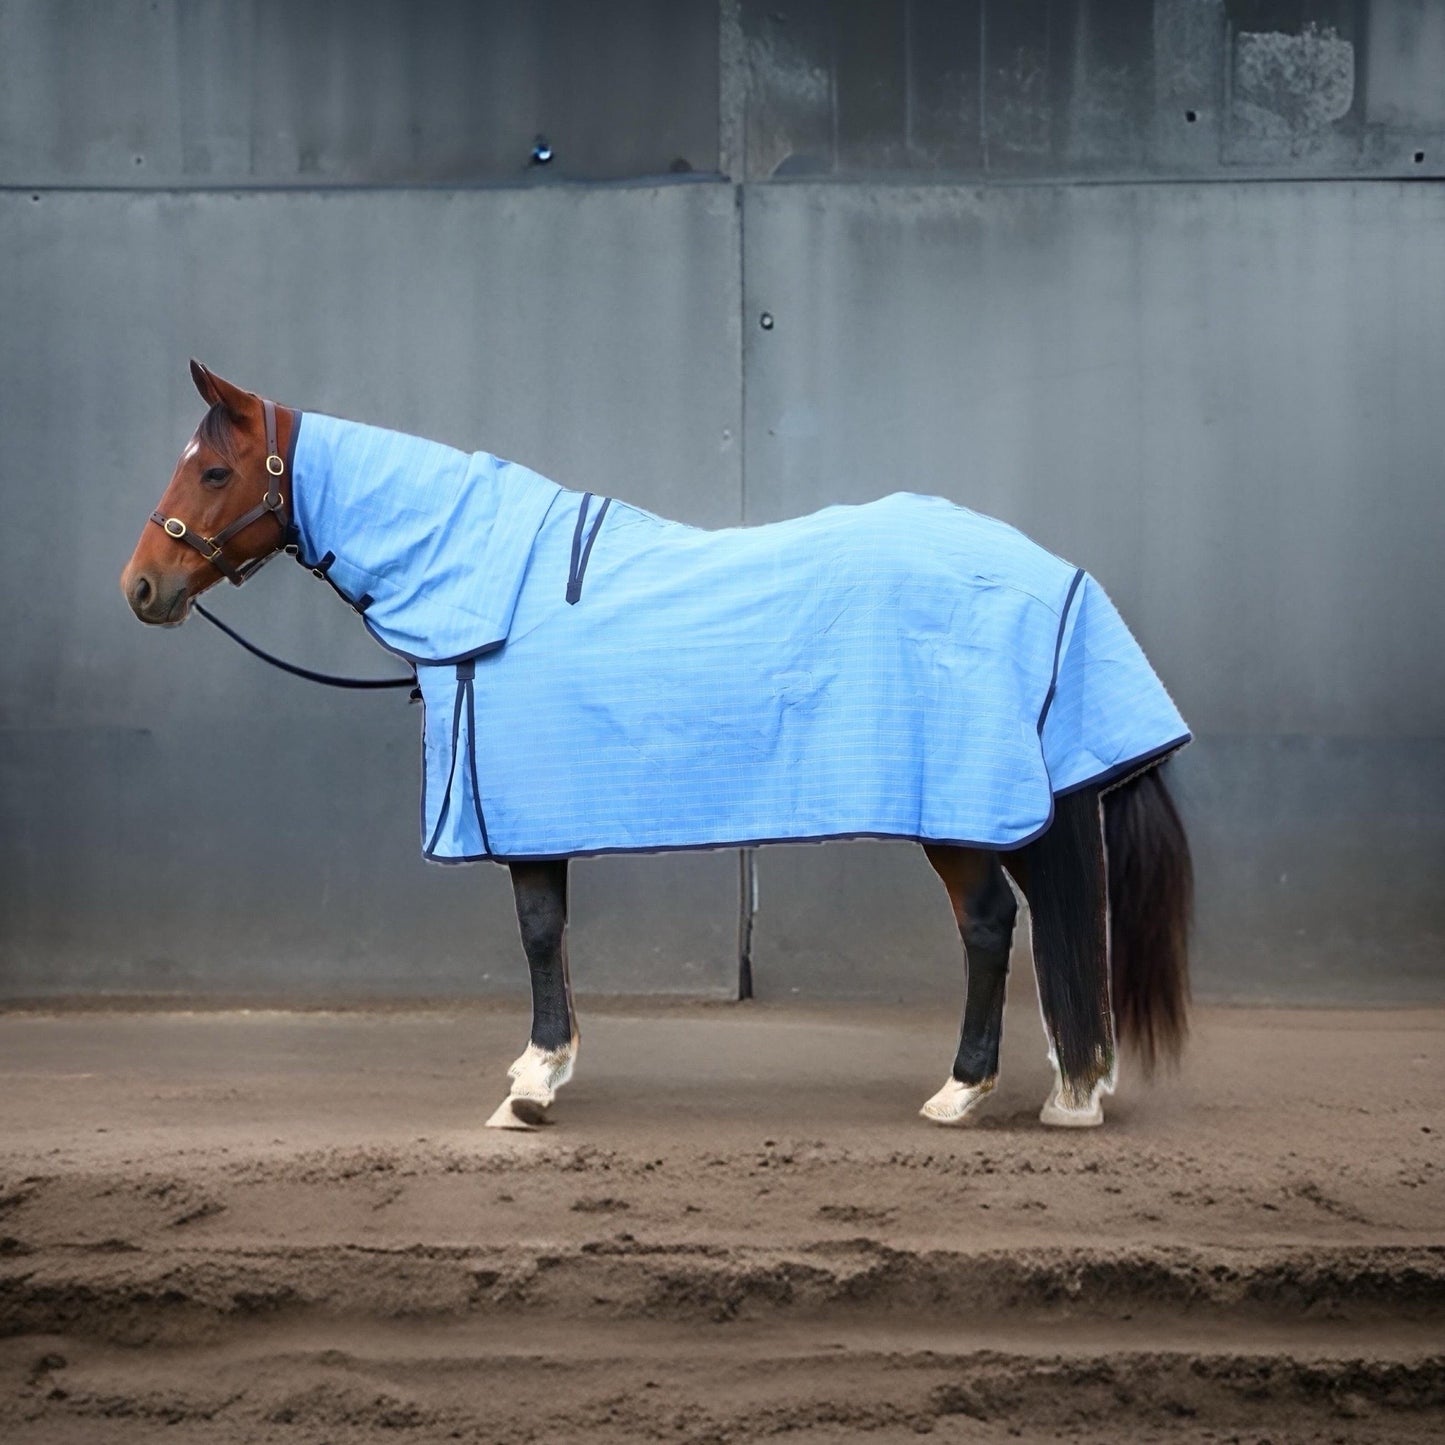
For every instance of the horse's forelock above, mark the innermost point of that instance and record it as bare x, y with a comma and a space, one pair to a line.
217, 432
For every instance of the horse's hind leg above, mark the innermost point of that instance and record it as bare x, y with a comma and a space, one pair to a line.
984, 906
546, 1063
1062, 875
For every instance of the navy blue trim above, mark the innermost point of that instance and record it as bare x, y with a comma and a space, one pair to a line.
1058, 650
323, 570
466, 693
1120, 771
424, 769
745, 843
414, 658
472, 653
291, 454
582, 555
574, 588
591, 542
472, 756
1100, 780
291, 540
417, 661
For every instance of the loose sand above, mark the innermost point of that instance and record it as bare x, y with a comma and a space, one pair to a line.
229, 1227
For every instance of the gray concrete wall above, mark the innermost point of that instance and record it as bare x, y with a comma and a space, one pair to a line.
1218, 399
1096, 89
178, 817
1157, 282
147, 93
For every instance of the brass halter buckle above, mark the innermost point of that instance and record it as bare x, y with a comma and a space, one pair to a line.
174, 527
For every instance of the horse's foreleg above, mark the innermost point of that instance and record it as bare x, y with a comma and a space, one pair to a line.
546, 1063
1062, 874
984, 906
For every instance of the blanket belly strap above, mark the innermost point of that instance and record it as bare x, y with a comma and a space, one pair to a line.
466, 682
465, 699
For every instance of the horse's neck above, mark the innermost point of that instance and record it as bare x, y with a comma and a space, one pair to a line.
343, 466
339, 453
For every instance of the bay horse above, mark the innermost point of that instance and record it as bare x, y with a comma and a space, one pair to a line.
1104, 866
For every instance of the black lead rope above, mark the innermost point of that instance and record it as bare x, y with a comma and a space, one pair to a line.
322, 677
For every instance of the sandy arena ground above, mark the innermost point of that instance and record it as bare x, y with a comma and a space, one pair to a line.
228, 1227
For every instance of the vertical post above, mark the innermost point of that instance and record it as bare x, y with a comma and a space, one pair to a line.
732, 163
747, 907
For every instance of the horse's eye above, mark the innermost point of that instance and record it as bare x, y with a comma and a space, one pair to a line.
215, 476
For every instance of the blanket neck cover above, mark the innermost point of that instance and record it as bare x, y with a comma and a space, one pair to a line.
598, 679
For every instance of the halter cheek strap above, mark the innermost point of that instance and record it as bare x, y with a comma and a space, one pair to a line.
212, 548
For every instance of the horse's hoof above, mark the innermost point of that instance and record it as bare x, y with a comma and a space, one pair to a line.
519, 1113
954, 1102
1057, 1114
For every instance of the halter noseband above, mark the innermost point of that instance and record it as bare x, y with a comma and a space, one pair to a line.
211, 548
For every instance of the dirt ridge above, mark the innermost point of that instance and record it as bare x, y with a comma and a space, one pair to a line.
237, 1229
139, 1295
885, 1394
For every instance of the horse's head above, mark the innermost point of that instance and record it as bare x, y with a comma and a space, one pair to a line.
225, 509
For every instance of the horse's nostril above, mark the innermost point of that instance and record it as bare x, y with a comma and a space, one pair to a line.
142, 592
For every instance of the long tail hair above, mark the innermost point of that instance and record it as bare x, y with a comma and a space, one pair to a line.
1151, 900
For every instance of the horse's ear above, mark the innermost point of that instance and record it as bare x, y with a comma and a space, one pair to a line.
205, 383
217, 391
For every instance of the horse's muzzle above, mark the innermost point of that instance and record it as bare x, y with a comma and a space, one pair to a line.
156, 600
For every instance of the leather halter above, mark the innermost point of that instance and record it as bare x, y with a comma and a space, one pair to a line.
212, 548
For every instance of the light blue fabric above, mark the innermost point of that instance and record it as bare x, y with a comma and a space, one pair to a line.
907, 668
436, 538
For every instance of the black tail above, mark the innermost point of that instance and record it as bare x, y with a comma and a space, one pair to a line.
1151, 899
1063, 878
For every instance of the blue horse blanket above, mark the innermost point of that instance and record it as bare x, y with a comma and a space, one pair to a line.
598, 679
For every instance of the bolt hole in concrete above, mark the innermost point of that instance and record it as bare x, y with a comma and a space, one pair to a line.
766, 320
1419, 158
1191, 116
